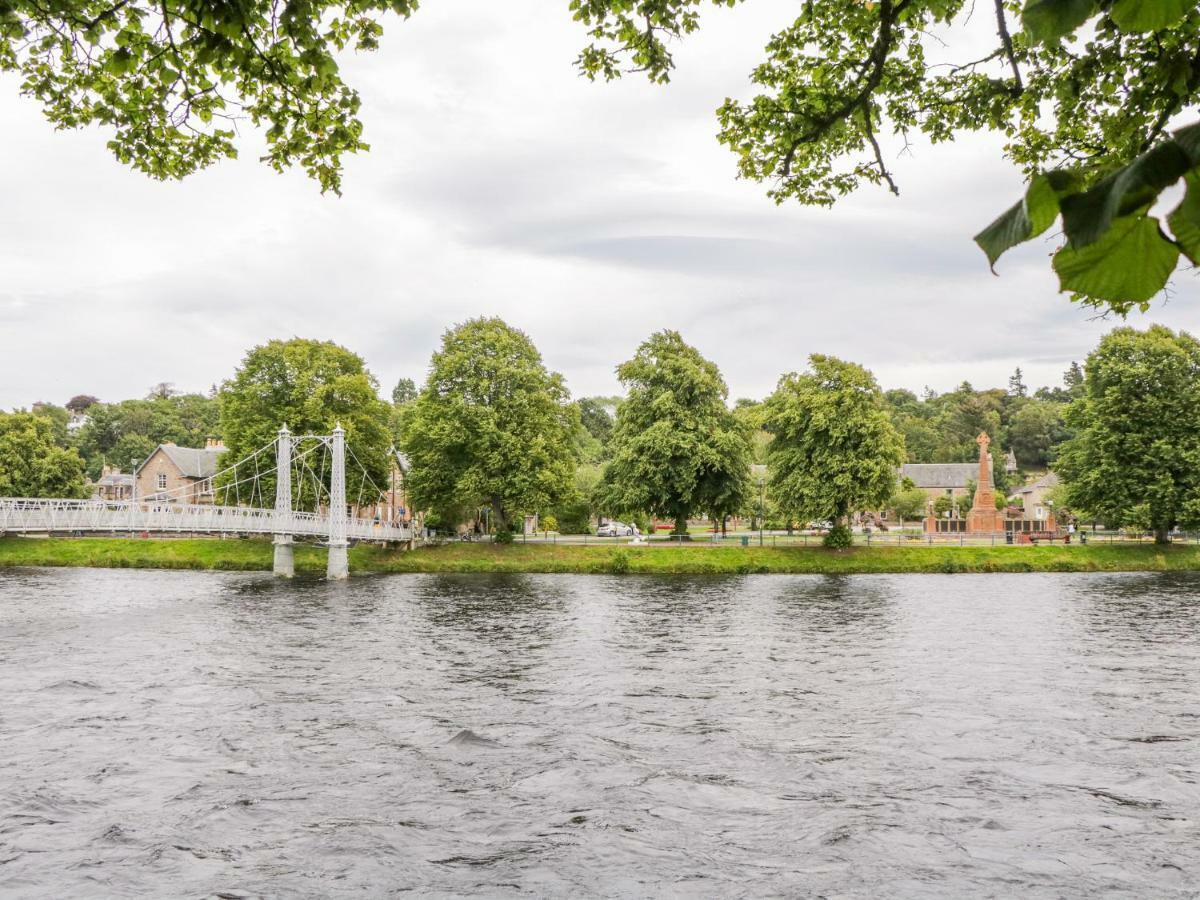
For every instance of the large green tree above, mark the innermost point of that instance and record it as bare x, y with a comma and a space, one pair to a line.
1135, 456
32, 464
834, 450
309, 386
119, 433
405, 391
491, 427
1037, 429
676, 447
1085, 94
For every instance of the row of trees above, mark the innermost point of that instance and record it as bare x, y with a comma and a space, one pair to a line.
1123, 432
492, 427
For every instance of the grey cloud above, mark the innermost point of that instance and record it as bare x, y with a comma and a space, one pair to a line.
499, 183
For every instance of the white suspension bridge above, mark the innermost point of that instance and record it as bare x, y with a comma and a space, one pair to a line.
304, 506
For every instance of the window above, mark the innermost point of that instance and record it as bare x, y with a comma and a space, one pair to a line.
162, 481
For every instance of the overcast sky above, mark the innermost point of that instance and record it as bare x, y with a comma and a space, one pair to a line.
501, 183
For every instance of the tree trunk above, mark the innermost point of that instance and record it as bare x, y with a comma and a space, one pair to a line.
681, 527
1162, 535
499, 516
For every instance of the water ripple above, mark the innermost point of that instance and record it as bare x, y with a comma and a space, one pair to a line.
204, 735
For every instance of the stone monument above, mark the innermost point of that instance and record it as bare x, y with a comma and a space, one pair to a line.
984, 517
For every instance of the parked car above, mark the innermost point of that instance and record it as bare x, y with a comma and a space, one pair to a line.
615, 529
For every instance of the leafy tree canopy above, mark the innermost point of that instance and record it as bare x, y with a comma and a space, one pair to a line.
32, 464
1135, 456
57, 415
1016, 384
676, 448
1085, 93
81, 402
118, 433
171, 78
596, 417
908, 502
834, 450
405, 391
492, 427
310, 386
1037, 428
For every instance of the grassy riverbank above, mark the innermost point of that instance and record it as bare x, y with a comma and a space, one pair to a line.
255, 555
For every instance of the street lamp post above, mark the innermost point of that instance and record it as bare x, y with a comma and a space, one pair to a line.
761, 485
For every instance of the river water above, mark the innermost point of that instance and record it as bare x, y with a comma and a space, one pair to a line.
207, 735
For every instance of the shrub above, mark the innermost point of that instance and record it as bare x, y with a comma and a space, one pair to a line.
503, 536
619, 562
549, 523
839, 537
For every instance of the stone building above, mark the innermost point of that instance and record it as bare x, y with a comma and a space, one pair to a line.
940, 479
179, 474
1034, 497
113, 485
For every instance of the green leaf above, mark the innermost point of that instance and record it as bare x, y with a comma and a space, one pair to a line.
1087, 216
1130, 263
1189, 140
1185, 219
119, 63
1148, 15
1035, 212
1048, 21
1009, 229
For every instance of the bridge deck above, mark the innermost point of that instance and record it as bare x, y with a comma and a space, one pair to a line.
37, 515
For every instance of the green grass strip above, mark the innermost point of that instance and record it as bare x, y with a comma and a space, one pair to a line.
256, 555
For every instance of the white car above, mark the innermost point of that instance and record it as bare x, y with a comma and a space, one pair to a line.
615, 529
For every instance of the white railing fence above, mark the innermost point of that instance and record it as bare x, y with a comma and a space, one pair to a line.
25, 515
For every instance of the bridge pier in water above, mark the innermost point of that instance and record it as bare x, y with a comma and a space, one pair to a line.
284, 565
338, 565
285, 557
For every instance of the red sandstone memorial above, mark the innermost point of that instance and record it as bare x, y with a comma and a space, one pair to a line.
983, 517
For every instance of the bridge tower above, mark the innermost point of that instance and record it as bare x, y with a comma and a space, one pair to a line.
338, 566
285, 558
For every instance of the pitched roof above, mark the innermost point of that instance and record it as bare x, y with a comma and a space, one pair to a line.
1048, 480
191, 462
940, 475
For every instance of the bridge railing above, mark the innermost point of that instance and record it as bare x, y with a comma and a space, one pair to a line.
36, 515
